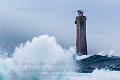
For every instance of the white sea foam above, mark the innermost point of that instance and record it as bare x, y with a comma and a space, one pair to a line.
81, 57
44, 59
97, 75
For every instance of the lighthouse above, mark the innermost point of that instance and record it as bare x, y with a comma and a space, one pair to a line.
81, 41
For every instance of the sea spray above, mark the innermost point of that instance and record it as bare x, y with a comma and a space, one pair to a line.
42, 49
44, 59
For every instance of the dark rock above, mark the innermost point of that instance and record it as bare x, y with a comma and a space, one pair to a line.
87, 65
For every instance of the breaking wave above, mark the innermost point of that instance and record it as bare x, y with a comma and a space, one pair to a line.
44, 59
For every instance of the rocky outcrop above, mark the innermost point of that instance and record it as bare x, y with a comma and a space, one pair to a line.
87, 65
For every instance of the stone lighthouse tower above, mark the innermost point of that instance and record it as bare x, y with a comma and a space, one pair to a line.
81, 42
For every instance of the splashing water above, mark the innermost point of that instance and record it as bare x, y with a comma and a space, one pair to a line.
44, 59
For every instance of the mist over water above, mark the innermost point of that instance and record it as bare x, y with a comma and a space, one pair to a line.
44, 59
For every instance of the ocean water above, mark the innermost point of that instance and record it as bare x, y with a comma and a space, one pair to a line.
44, 59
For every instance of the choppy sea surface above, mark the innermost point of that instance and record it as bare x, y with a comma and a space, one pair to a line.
44, 59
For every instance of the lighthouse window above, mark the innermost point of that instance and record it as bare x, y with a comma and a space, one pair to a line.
75, 22
81, 23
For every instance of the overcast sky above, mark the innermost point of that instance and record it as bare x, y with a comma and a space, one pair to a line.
21, 20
